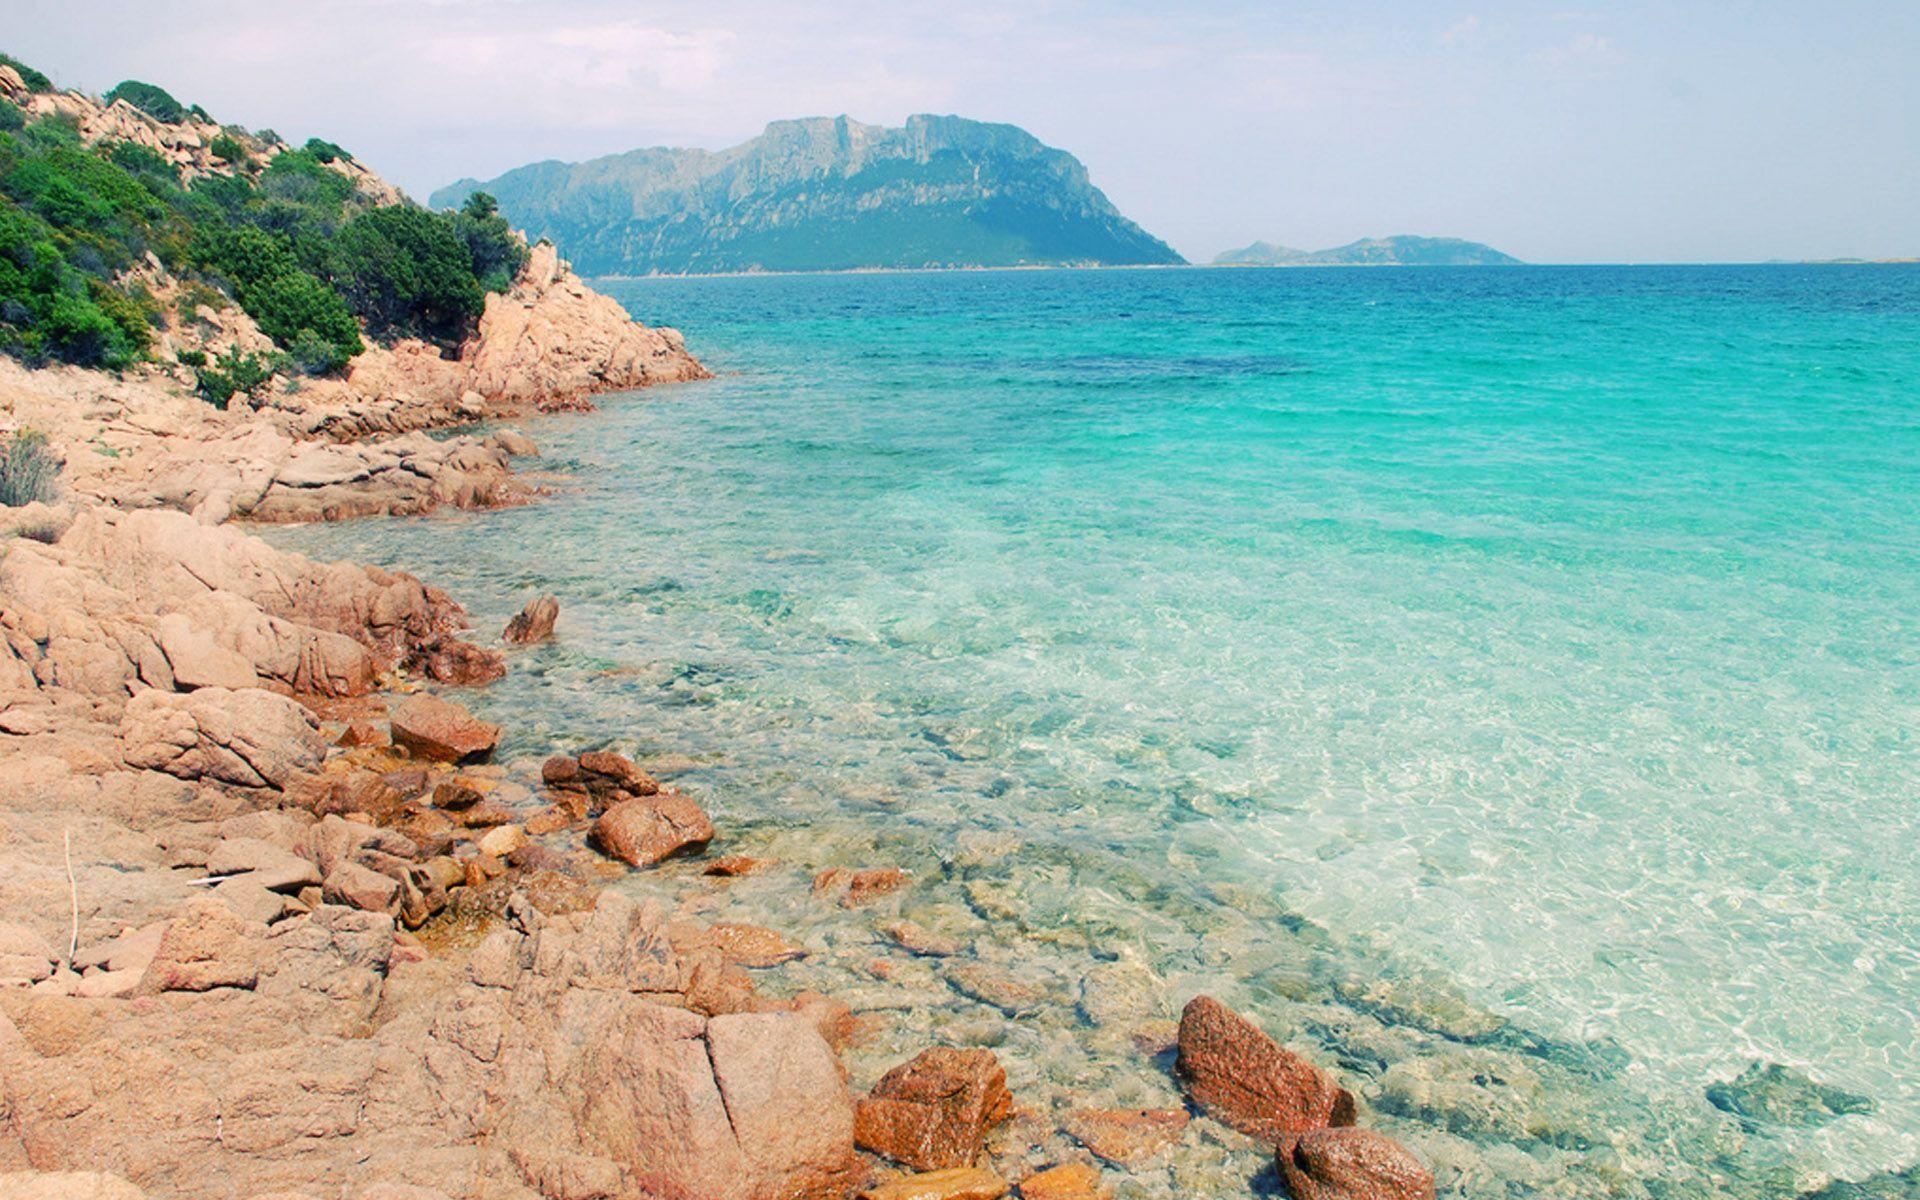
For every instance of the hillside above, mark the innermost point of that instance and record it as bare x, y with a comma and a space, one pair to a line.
125, 218
1402, 251
824, 194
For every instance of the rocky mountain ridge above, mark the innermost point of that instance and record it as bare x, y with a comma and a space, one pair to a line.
1399, 251
825, 194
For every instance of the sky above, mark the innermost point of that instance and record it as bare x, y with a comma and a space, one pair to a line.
1733, 131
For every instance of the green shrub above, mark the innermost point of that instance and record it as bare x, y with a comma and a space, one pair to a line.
11, 118
35, 81
325, 151
231, 374
29, 472
407, 273
150, 99
303, 314
229, 149
495, 251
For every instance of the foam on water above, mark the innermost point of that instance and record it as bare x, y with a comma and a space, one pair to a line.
1550, 628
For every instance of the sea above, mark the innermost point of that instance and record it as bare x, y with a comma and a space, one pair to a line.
1503, 684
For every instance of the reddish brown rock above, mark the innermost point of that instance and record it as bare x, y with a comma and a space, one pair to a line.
451, 661
1069, 1181
1245, 1079
1352, 1164
858, 887
934, 1111
959, 1183
207, 948
560, 769
360, 887
1127, 1135
360, 733
432, 728
738, 864
752, 945
917, 940
642, 830
534, 623
460, 792
606, 770
548, 820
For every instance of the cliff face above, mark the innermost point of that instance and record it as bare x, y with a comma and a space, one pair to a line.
825, 194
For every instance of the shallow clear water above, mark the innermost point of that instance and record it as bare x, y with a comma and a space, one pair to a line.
1547, 632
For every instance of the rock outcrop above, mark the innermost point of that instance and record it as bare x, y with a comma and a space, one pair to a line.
552, 341
564, 1061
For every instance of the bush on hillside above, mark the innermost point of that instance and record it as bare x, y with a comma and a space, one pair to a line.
150, 99
296, 244
229, 149
326, 151
29, 472
497, 252
12, 119
35, 80
229, 375
408, 274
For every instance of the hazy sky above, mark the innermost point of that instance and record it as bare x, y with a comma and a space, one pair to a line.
1611, 132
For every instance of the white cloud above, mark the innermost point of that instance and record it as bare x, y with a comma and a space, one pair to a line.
1586, 54
1461, 32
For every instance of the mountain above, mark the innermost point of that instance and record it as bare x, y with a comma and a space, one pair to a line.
1373, 252
824, 194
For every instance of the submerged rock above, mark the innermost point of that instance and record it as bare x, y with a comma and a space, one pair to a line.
1127, 1135
934, 1111
1245, 1079
1069, 1181
1773, 1094
857, 887
1352, 1164
958, 1183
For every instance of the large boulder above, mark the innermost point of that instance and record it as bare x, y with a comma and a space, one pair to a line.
743, 1107
534, 623
442, 731
1352, 1164
245, 737
1245, 1079
934, 1111
642, 830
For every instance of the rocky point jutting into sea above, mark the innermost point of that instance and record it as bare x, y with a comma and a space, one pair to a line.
279, 918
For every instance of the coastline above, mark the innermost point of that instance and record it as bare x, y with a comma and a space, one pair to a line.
1008, 953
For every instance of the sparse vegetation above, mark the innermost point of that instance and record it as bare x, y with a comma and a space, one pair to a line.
29, 472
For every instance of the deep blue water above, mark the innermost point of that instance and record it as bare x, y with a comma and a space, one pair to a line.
1551, 631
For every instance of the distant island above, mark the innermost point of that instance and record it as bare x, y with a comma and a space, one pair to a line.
824, 194
1399, 251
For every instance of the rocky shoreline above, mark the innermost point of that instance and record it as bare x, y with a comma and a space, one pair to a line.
273, 919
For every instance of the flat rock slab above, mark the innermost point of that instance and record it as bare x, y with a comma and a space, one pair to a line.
441, 731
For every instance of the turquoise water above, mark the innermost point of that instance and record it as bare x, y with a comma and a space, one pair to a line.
1546, 637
